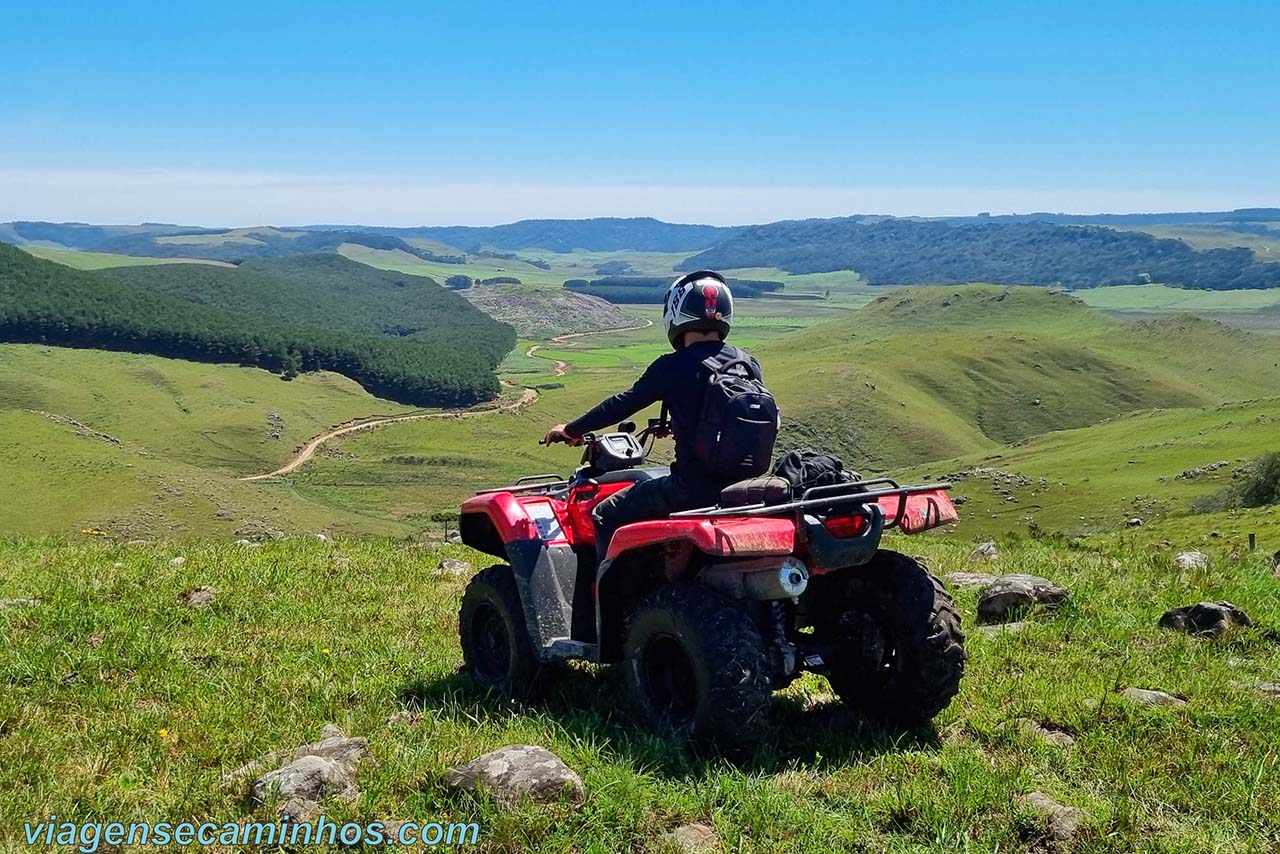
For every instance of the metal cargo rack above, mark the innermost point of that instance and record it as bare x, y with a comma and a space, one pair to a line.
852, 494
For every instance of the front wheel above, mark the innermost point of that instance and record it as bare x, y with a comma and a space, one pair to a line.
494, 637
897, 646
697, 667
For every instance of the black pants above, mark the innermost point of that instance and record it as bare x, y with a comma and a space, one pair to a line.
650, 499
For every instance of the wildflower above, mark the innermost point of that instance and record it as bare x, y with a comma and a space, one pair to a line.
325, 650
164, 733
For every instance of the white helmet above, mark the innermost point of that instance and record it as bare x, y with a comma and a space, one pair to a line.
697, 301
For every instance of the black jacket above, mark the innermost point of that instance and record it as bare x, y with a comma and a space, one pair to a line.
678, 379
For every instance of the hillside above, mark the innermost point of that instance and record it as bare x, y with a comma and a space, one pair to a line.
544, 313
216, 244
43, 302
930, 373
897, 251
644, 234
333, 292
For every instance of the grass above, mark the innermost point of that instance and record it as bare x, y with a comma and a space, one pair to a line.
121, 704
101, 260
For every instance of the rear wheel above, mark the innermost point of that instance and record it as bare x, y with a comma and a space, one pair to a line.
493, 634
697, 667
897, 649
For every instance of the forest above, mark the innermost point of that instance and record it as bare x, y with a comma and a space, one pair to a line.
449, 363
902, 252
646, 289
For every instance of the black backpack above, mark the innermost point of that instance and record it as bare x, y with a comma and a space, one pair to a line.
805, 468
739, 420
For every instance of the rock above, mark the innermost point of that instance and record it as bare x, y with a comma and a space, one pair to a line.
999, 629
1210, 619
243, 543
449, 566
1147, 697
1060, 824
309, 778
691, 839
1035, 729
201, 597
1269, 689
1191, 560
453, 537
519, 771
1135, 522
324, 538
984, 551
966, 580
178, 561
18, 603
334, 745
1011, 594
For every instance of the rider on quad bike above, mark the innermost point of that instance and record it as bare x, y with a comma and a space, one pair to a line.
698, 315
710, 599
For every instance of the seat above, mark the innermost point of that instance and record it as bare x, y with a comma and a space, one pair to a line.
769, 491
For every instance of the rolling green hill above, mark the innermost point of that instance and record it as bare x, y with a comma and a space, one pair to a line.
644, 234
899, 251
49, 303
932, 373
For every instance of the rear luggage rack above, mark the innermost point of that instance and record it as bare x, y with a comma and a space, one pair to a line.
852, 494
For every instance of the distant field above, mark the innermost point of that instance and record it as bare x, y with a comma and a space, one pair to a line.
102, 260
1266, 247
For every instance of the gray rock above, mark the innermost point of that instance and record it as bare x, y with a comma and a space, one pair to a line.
308, 778
178, 561
333, 745
1191, 560
1060, 824
404, 716
1035, 729
1135, 522
299, 810
324, 538
200, 597
19, 603
1269, 689
695, 838
966, 580
1148, 697
1009, 595
449, 566
1210, 619
518, 771
985, 551
243, 542
453, 537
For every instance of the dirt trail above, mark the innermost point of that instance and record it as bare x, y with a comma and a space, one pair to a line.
528, 396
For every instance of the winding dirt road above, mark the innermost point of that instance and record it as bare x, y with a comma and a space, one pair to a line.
528, 396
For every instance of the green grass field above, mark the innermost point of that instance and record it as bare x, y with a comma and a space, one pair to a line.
124, 705
101, 260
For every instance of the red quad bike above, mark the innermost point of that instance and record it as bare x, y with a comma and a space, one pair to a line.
709, 611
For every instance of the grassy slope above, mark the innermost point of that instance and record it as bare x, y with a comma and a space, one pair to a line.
957, 370
122, 705
102, 260
186, 431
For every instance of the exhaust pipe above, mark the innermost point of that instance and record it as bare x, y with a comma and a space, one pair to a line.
786, 582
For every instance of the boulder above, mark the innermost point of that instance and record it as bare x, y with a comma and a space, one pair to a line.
1059, 824
696, 838
308, 778
334, 745
1135, 522
516, 772
449, 566
966, 580
1148, 697
200, 597
985, 551
1191, 560
1009, 595
1208, 619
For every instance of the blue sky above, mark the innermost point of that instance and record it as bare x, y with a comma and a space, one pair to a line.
405, 113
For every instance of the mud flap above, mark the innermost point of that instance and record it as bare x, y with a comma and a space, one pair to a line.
545, 576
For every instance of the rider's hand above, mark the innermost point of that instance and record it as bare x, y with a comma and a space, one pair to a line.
559, 433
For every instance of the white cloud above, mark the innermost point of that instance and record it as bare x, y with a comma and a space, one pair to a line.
241, 198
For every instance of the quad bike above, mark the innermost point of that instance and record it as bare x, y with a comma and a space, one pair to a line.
711, 610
